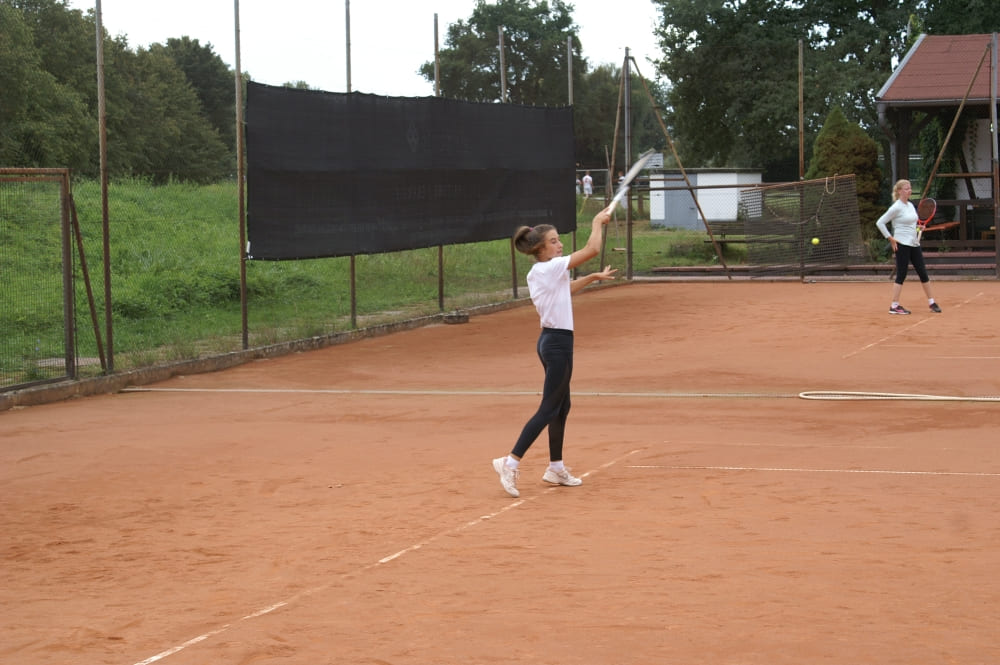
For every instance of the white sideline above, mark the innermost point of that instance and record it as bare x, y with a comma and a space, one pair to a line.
384, 560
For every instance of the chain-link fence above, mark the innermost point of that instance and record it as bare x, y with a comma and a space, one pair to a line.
36, 306
176, 288
176, 285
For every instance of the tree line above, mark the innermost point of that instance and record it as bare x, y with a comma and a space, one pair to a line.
733, 68
725, 86
169, 108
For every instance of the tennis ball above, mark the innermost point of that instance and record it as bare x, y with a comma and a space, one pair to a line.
815, 241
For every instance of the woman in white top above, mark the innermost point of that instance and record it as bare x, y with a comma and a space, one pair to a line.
905, 245
550, 286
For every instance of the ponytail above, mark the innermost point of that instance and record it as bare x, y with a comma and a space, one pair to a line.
529, 239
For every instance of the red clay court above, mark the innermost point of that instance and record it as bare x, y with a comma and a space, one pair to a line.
773, 473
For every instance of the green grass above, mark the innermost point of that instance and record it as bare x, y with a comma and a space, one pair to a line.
652, 247
175, 285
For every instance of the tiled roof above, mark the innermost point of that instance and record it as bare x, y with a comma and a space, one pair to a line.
937, 71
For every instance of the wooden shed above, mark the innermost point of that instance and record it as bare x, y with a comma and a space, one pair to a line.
939, 74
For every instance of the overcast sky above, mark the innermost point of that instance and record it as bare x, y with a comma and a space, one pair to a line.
305, 40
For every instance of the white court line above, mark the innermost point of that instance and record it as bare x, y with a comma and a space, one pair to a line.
906, 329
381, 562
886, 338
809, 394
330, 391
432, 393
795, 470
787, 445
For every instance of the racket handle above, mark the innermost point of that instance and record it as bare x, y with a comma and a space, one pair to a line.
619, 196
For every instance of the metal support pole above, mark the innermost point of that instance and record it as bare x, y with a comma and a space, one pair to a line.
802, 126
996, 148
503, 67
102, 128
569, 67
241, 181
347, 40
628, 161
437, 60
353, 284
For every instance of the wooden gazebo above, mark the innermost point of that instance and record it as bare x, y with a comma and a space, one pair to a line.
939, 74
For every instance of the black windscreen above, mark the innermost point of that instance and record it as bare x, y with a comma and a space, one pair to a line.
335, 174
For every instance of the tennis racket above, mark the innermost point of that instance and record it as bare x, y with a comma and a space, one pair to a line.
925, 213
623, 187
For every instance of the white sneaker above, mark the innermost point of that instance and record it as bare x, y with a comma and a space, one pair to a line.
561, 477
508, 476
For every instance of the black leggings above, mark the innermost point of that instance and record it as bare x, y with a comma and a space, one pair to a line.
555, 350
904, 256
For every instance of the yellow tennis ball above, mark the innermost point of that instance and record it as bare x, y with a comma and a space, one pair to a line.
815, 241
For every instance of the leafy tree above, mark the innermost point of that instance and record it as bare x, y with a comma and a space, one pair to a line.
960, 17
854, 45
646, 111
65, 40
535, 34
843, 148
163, 132
212, 81
43, 123
596, 114
18, 61
156, 121
733, 72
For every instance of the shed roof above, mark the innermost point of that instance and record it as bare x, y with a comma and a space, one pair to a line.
936, 71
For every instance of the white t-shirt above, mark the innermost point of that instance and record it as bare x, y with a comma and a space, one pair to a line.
904, 223
548, 286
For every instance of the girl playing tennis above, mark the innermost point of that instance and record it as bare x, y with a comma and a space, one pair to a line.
550, 287
905, 245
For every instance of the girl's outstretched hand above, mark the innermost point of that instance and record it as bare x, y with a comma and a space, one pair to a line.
607, 273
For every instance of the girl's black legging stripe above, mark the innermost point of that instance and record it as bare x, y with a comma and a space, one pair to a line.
555, 351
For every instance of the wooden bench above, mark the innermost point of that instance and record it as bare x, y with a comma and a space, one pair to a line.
727, 231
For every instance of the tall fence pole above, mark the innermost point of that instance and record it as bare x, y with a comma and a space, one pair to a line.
437, 60
996, 148
569, 75
802, 128
569, 67
627, 73
241, 181
102, 128
347, 41
503, 67
353, 268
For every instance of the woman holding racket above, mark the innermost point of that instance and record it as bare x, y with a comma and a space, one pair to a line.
550, 286
905, 245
